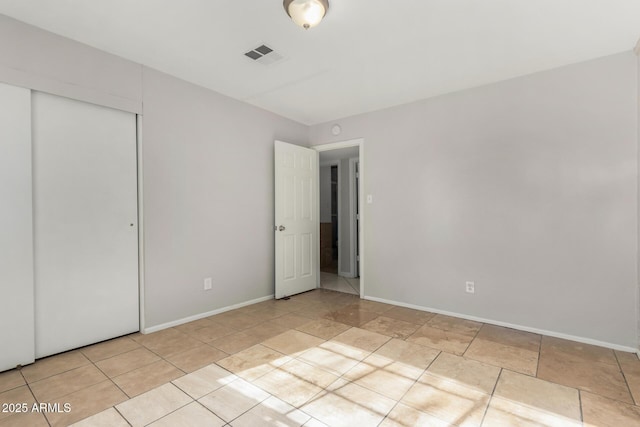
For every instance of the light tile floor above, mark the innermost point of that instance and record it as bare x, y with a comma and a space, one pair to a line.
333, 282
326, 358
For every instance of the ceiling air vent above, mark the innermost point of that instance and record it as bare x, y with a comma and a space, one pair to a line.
264, 55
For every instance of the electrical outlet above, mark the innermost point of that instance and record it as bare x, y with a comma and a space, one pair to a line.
208, 282
471, 287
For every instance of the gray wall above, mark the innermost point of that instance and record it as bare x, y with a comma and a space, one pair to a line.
528, 187
208, 197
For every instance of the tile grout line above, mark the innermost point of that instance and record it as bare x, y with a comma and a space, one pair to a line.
107, 379
624, 376
424, 371
34, 397
580, 402
259, 403
75, 391
484, 415
472, 340
539, 357
175, 410
376, 392
115, 355
117, 411
113, 382
58, 373
207, 409
350, 285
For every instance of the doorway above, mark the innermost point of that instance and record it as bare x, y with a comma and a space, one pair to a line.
339, 217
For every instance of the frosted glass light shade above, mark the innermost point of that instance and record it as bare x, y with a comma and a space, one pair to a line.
306, 13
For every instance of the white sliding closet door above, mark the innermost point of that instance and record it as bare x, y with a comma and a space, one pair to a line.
16, 238
85, 223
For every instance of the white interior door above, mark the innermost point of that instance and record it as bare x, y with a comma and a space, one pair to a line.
296, 215
85, 223
16, 238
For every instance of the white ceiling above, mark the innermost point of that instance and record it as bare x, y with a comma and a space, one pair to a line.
366, 54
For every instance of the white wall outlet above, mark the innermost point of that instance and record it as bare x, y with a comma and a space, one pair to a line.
471, 287
208, 282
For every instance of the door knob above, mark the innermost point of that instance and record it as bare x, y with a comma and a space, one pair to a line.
281, 228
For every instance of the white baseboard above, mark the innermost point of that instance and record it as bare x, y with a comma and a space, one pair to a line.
510, 325
346, 274
203, 315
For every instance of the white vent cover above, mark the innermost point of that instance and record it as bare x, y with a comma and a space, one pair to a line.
264, 55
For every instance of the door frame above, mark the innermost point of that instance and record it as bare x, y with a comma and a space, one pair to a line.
358, 142
353, 216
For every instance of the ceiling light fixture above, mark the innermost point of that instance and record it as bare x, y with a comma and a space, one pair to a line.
306, 13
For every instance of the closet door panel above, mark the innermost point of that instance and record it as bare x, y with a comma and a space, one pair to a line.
85, 223
16, 238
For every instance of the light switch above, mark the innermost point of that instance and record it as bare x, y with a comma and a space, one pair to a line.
369, 199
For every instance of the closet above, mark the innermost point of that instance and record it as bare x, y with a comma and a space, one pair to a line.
78, 273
